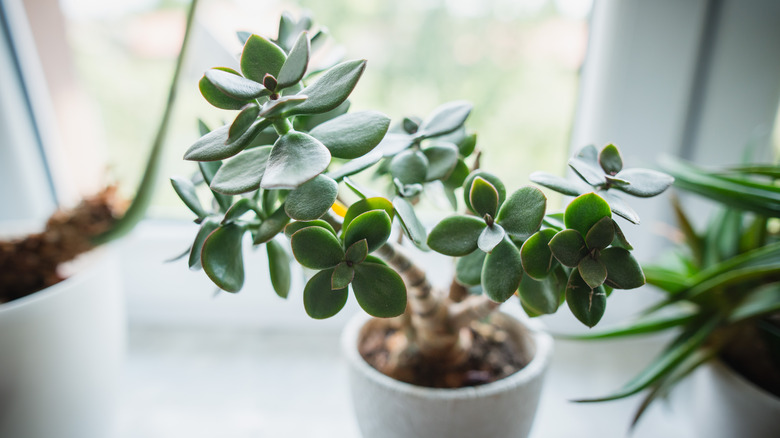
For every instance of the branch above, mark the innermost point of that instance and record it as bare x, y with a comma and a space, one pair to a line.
471, 309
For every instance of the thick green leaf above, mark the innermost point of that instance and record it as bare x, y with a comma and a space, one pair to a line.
356, 166
536, 255
237, 210
316, 248
445, 119
619, 206
410, 167
342, 276
522, 214
294, 67
374, 226
542, 296
620, 239
243, 121
483, 198
186, 191
364, 205
295, 158
644, 182
442, 158
278, 268
312, 199
568, 247
217, 97
410, 224
610, 160
490, 237
357, 252
458, 175
331, 89
243, 173
586, 165
261, 57
308, 122
601, 234
280, 107
592, 271
489, 177
319, 300
232, 84
394, 143
456, 235
554, 182
379, 290
215, 146
352, 135
584, 211
411, 124
208, 169
290, 229
206, 227
271, 226
468, 269
586, 304
222, 257
467, 145
623, 270
502, 272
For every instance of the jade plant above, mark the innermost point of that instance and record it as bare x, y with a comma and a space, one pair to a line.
721, 285
282, 170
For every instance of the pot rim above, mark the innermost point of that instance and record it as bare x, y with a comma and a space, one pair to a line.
543, 345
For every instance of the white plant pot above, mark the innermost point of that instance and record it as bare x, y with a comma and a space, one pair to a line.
387, 408
61, 355
726, 405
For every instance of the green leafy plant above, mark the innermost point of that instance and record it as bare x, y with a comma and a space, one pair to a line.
722, 287
283, 167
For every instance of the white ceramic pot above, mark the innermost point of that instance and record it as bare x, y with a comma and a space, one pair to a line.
726, 405
387, 408
61, 355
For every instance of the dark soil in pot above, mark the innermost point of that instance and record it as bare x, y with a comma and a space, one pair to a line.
753, 355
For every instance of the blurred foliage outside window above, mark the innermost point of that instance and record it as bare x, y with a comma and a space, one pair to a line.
517, 60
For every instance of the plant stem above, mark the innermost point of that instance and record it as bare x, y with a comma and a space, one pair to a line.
282, 126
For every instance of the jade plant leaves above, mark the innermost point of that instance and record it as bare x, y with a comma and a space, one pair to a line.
489, 177
445, 119
243, 173
312, 199
624, 271
216, 96
554, 182
490, 237
394, 143
502, 272
456, 235
215, 145
483, 198
232, 84
208, 169
644, 182
410, 224
352, 135
342, 276
442, 158
319, 300
374, 226
601, 234
522, 214
295, 158
357, 252
410, 167
610, 159
261, 57
586, 304
331, 89
186, 191
206, 227
294, 66
468, 269
592, 271
537, 256
280, 107
568, 247
379, 290
586, 164
316, 248
278, 268
237, 210
584, 211
271, 226
290, 229
542, 297
243, 121
222, 258
364, 205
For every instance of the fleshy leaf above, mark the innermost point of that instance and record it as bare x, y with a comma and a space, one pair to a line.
260, 57
554, 182
243, 121
342, 276
522, 214
585, 303
394, 143
186, 191
623, 271
644, 182
279, 268
542, 296
619, 206
502, 272
222, 257
467, 145
568, 247
592, 271
294, 67
620, 238
468, 269
379, 290
411, 225
311, 199
357, 165
319, 300
206, 228
243, 205
610, 160
243, 173
229, 82
442, 158
537, 257
584, 211
271, 226
281, 107
352, 135
483, 198
490, 237
601, 234
374, 226
217, 97
295, 158
489, 177
215, 145
316, 248
445, 119
364, 205
208, 169
456, 235
409, 167
357, 252
586, 165
290, 229
331, 89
